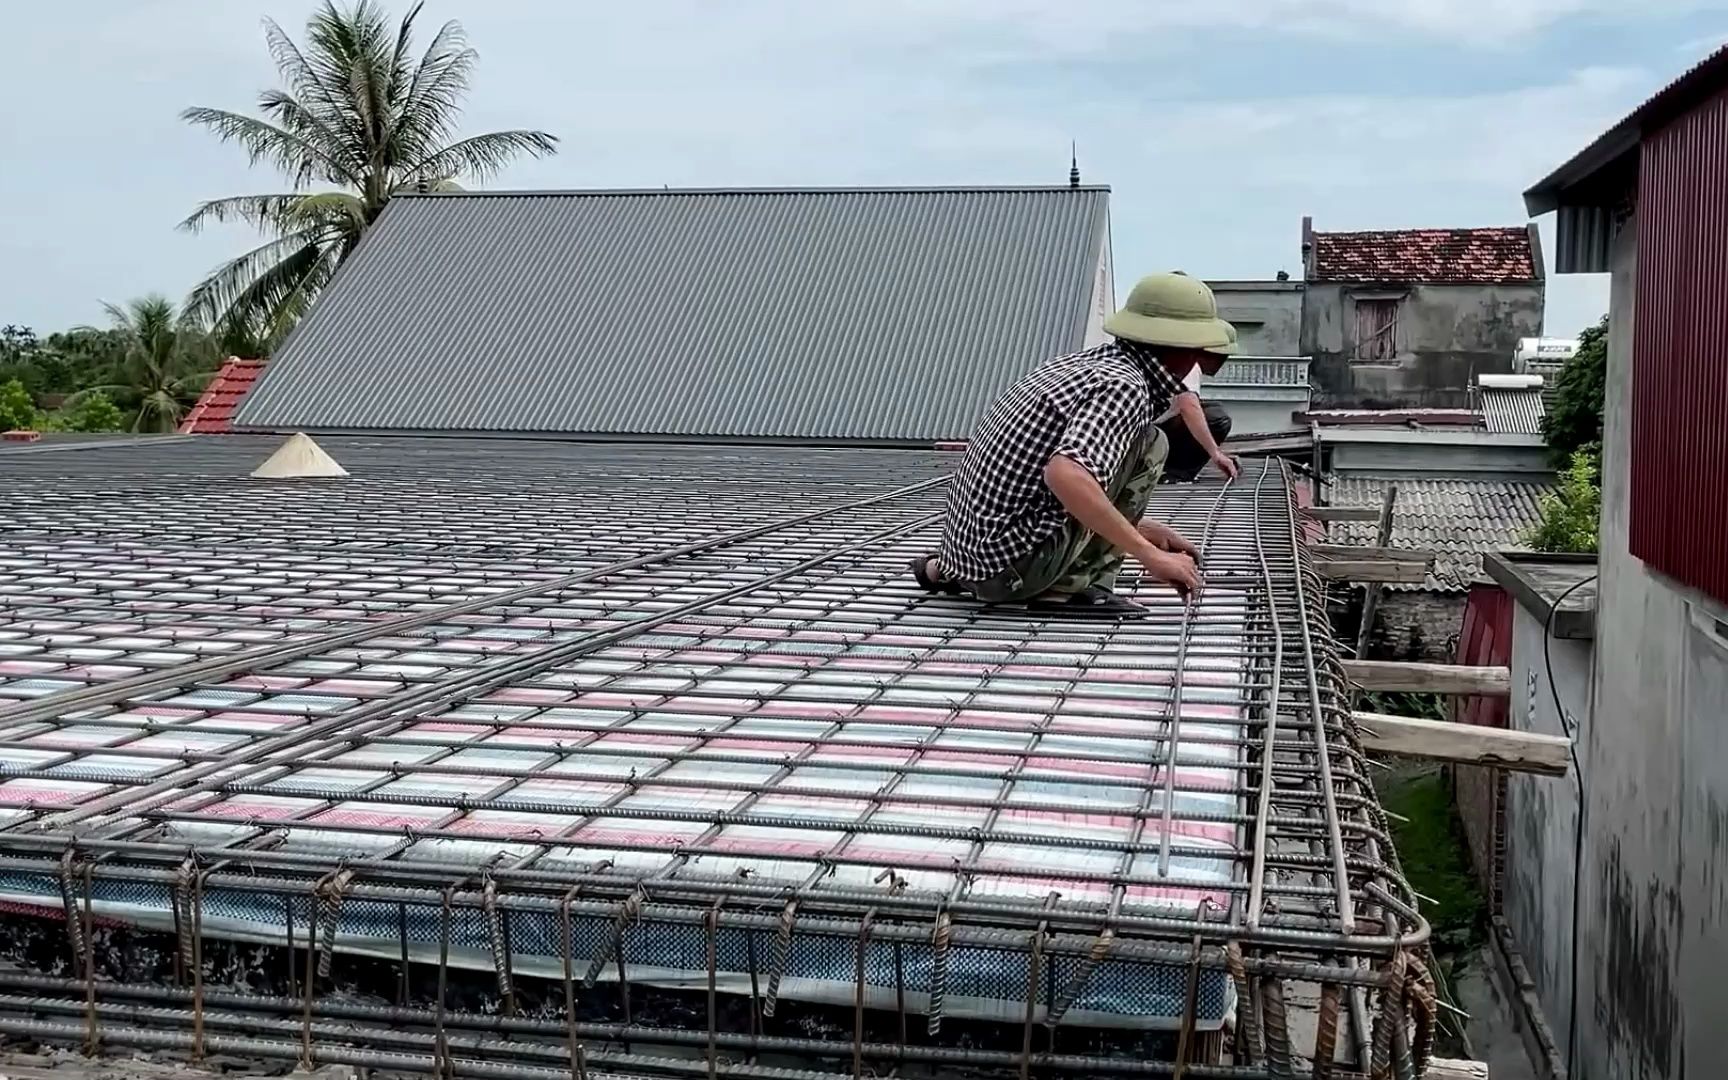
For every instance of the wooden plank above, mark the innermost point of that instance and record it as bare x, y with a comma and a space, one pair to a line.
1454, 1069
1342, 513
1396, 571
1429, 678
1466, 744
1365, 551
1371, 597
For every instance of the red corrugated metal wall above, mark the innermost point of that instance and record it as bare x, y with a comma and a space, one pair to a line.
1485, 638
1679, 466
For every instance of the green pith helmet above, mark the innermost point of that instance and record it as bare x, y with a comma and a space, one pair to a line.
1173, 310
1227, 349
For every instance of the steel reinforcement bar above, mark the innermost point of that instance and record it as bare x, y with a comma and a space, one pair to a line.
1310, 898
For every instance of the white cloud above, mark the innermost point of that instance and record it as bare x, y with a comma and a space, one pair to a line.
683, 92
1016, 27
1701, 47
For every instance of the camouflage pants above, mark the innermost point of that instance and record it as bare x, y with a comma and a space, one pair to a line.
1072, 559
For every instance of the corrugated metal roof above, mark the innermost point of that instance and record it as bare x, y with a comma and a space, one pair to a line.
849, 315
1459, 519
1512, 412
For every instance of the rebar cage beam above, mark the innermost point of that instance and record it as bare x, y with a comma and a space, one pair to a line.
619, 720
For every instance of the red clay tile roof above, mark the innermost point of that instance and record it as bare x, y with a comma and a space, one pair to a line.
214, 412
1446, 256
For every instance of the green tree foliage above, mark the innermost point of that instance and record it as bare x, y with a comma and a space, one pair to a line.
357, 112
26, 358
92, 411
17, 410
165, 361
1574, 422
1570, 514
58, 364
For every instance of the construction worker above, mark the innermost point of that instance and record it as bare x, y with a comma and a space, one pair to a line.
1189, 452
1049, 497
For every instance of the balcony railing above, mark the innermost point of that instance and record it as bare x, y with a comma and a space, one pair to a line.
1283, 371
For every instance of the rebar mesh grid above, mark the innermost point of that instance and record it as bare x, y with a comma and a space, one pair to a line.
693, 731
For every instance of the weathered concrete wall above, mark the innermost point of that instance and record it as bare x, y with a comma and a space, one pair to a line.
1418, 625
1468, 454
1653, 993
1541, 813
1252, 414
1267, 315
1446, 334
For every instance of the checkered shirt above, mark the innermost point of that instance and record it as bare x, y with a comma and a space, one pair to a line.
1088, 406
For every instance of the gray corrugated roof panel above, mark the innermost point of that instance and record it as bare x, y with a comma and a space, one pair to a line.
1512, 412
881, 315
1460, 520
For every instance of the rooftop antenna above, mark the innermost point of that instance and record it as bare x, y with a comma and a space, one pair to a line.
1073, 164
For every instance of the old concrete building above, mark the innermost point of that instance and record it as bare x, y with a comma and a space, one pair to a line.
1267, 315
1408, 317
1267, 384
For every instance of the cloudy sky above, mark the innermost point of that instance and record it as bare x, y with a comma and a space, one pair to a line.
1218, 123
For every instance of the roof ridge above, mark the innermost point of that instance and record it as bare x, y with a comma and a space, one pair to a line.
1423, 229
1480, 253
937, 189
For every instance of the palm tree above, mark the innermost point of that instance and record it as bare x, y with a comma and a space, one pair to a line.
164, 361
358, 112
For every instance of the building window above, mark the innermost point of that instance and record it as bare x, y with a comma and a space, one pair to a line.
1376, 329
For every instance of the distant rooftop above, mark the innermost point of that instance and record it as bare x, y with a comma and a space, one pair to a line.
1390, 417
1438, 256
214, 412
1460, 520
751, 315
1513, 411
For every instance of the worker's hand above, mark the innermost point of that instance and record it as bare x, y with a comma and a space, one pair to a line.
1175, 569
1226, 465
1169, 539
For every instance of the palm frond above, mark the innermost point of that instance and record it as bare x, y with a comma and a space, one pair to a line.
359, 108
402, 69
300, 160
317, 94
483, 156
350, 47
333, 135
158, 411
193, 382
432, 105
212, 299
260, 211
111, 389
331, 209
281, 294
